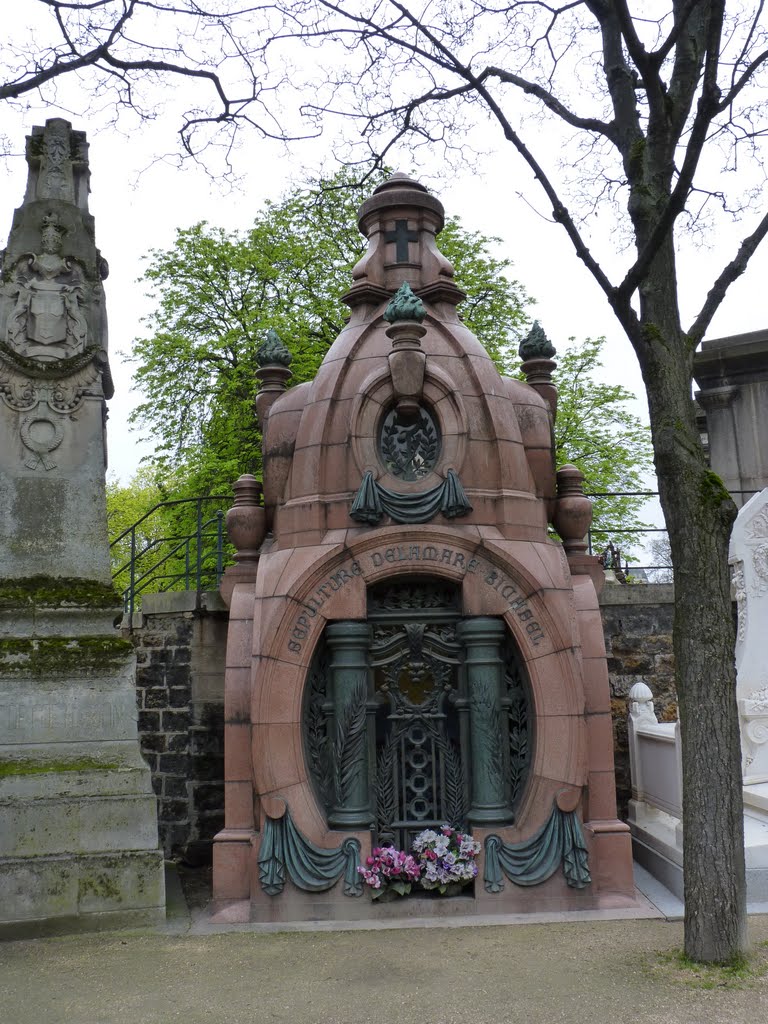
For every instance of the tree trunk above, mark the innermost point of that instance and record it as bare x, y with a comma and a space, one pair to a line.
699, 515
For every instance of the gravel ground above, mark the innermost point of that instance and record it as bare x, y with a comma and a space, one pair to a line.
597, 972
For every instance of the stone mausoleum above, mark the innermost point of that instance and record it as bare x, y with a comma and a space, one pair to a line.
408, 645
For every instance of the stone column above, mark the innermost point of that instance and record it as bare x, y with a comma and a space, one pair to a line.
482, 639
348, 643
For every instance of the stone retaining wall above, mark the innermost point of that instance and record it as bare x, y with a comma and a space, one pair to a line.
637, 623
180, 650
181, 653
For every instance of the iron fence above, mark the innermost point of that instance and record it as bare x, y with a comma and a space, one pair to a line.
194, 560
600, 539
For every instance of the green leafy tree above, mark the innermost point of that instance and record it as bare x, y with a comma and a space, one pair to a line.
126, 504
217, 294
596, 431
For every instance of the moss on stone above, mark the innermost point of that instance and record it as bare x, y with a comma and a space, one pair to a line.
34, 766
101, 885
57, 592
62, 655
54, 369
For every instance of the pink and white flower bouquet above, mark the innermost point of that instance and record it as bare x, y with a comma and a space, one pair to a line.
389, 870
443, 860
446, 858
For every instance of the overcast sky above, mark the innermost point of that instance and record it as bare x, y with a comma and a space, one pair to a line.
136, 212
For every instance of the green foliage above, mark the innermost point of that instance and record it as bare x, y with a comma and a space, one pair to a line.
126, 504
495, 307
611, 446
217, 295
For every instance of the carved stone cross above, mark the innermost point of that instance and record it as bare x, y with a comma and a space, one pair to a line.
401, 236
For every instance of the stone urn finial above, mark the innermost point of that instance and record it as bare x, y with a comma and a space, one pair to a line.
536, 352
536, 345
573, 510
641, 702
274, 358
246, 521
407, 361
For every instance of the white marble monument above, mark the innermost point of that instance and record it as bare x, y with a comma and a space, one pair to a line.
655, 810
748, 556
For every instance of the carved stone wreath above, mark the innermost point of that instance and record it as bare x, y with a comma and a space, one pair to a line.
409, 448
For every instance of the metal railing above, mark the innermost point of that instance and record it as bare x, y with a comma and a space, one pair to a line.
185, 561
196, 560
597, 539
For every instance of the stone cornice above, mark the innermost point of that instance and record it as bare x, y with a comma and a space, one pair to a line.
738, 359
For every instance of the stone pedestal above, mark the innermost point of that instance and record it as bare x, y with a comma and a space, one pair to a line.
78, 826
78, 830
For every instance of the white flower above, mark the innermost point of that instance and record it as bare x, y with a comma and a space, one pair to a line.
424, 838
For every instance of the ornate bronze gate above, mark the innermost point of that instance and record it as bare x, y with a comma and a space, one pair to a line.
417, 717
420, 778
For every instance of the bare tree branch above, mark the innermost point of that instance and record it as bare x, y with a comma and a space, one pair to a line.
590, 124
730, 273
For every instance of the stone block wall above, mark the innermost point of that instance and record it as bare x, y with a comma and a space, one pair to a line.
180, 651
637, 623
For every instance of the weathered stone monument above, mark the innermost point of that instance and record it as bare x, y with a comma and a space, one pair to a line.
408, 648
78, 832
732, 374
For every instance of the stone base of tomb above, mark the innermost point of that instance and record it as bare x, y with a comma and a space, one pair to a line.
657, 843
78, 819
611, 888
81, 892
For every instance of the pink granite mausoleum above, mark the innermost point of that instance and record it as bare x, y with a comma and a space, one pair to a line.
408, 647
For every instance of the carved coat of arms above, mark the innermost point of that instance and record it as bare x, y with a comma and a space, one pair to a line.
48, 320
